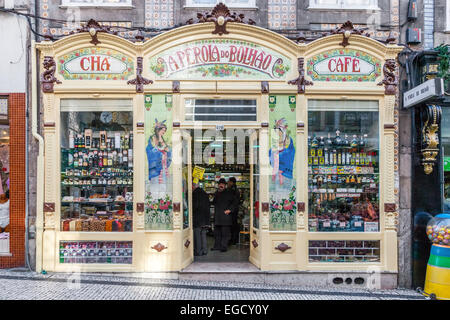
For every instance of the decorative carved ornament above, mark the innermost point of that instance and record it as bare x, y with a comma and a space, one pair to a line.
301, 82
93, 27
254, 243
282, 247
220, 15
140, 125
49, 207
176, 207
264, 124
176, 124
176, 86
139, 81
264, 87
346, 30
300, 124
140, 207
265, 206
187, 243
431, 119
48, 78
300, 207
159, 247
389, 207
390, 79
49, 124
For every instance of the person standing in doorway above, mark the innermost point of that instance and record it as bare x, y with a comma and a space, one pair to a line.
232, 187
224, 204
201, 219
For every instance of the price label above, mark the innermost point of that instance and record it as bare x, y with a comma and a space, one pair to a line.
327, 224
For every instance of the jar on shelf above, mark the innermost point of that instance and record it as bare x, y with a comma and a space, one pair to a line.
438, 229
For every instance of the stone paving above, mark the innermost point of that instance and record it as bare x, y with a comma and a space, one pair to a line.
25, 285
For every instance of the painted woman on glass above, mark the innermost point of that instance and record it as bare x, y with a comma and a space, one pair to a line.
159, 155
281, 155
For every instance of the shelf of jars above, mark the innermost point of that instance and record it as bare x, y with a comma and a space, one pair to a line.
343, 185
97, 182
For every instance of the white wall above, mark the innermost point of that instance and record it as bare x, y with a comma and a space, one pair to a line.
13, 53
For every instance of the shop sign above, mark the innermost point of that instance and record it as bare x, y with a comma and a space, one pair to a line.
343, 65
197, 174
224, 59
95, 64
429, 89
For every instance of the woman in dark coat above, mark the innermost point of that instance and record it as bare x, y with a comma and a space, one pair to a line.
225, 203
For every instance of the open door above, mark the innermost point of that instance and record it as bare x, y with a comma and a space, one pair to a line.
255, 248
187, 233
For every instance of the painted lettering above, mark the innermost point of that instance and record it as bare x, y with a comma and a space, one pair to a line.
356, 65
83, 63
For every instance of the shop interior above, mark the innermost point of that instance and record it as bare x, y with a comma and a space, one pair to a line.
210, 153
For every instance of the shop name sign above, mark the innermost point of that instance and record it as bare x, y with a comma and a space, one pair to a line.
343, 65
95, 64
220, 58
429, 89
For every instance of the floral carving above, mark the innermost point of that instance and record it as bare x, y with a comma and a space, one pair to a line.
390, 79
254, 243
282, 247
346, 30
430, 137
301, 82
48, 76
220, 15
139, 81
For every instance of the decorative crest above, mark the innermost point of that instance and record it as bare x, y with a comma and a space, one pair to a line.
159, 247
282, 247
301, 82
93, 27
139, 81
390, 79
220, 15
346, 30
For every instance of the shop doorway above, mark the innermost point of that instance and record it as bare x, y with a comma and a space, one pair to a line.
226, 154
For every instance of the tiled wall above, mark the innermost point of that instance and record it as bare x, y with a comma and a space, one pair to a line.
282, 14
159, 13
17, 108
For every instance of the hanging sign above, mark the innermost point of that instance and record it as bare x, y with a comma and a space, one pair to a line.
95, 64
429, 89
343, 65
223, 59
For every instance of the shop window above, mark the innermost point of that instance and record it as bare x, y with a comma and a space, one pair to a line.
229, 3
282, 185
4, 176
158, 167
343, 4
110, 252
344, 251
220, 110
95, 3
96, 165
343, 166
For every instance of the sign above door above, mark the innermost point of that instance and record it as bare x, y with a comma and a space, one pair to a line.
220, 59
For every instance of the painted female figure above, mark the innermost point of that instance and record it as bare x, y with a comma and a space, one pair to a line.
282, 153
159, 154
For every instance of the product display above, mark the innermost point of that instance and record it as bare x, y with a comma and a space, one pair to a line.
96, 252
343, 176
97, 172
438, 229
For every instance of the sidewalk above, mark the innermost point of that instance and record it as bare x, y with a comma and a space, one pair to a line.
24, 285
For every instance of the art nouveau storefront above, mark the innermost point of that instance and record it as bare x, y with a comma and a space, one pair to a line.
117, 133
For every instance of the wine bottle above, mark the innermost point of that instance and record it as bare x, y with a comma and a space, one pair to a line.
329, 141
314, 142
337, 140
346, 143
354, 142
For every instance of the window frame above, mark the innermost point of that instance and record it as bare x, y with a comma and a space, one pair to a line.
250, 5
71, 3
342, 5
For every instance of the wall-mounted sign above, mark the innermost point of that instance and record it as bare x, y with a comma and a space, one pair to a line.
95, 64
343, 65
223, 59
429, 89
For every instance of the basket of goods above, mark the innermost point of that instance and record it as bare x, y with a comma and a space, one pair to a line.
437, 280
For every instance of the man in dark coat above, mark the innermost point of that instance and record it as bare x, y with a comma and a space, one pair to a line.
201, 219
234, 215
224, 204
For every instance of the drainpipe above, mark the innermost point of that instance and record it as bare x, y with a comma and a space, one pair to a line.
40, 159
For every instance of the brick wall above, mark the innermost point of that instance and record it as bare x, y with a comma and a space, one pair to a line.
17, 109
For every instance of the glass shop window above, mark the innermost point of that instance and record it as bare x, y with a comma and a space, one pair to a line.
4, 176
96, 165
220, 110
343, 166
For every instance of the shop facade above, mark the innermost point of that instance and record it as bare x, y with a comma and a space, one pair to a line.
120, 122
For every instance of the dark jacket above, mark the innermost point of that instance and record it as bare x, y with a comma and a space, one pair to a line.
237, 195
200, 207
223, 201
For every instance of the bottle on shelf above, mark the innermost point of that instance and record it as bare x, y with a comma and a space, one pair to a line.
337, 140
329, 141
314, 142
354, 142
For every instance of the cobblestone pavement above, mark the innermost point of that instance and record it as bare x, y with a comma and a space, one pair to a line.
25, 285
